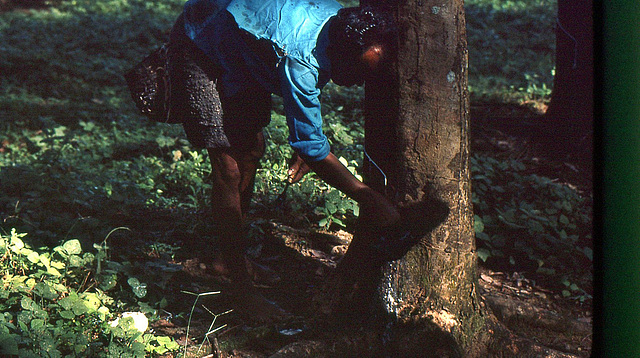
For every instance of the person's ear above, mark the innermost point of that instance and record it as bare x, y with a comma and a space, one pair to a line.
373, 56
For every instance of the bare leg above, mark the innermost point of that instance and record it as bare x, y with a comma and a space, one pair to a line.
233, 179
227, 213
248, 163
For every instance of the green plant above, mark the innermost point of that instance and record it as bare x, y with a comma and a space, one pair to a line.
212, 327
536, 89
311, 200
531, 221
52, 306
511, 49
336, 206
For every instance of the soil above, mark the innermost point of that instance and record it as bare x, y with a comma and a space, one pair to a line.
306, 259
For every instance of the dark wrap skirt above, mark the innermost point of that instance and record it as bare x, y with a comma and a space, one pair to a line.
209, 119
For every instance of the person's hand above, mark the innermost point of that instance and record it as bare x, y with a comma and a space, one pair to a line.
297, 169
377, 210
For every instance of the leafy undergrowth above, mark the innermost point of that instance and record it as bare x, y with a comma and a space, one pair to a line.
513, 32
534, 227
531, 227
533, 208
534, 223
61, 302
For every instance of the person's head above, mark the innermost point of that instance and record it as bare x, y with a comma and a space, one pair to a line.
361, 40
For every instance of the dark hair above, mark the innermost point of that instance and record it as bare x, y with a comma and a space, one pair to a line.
355, 29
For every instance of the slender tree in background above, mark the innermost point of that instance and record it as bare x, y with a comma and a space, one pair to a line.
570, 113
572, 97
417, 135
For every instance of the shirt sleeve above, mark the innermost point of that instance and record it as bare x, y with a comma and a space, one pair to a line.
301, 97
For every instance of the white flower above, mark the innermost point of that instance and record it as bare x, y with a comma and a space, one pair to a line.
140, 321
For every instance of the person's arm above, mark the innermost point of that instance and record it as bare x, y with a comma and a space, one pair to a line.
302, 107
301, 99
374, 207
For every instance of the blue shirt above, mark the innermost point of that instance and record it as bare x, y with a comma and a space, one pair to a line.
297, 30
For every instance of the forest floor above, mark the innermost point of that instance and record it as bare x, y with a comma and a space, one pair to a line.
306, 259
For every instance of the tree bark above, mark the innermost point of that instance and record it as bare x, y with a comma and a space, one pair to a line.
569, 118
572, 97
416, 133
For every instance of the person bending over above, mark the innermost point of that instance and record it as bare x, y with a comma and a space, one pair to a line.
228, 57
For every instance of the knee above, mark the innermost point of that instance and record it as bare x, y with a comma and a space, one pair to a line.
259, 147
225, 169
230, 174
250, 152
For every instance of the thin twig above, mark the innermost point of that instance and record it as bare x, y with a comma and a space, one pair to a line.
211, 330
198, 295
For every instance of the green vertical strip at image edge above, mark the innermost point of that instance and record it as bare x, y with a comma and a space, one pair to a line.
620, 265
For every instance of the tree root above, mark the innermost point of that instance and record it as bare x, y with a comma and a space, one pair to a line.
505, 344
514, 312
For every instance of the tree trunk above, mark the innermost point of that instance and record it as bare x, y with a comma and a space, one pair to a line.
569, 118
416, 133
572, 97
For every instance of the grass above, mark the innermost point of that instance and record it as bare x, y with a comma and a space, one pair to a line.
511, 50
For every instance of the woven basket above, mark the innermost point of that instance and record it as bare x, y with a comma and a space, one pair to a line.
149, 85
